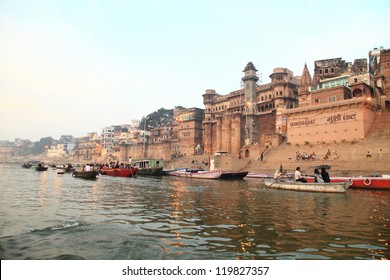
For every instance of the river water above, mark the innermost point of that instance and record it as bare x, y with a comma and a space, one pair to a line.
45, 215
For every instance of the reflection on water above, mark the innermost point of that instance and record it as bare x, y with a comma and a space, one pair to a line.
55, 216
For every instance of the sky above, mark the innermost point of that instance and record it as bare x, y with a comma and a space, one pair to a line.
73, 67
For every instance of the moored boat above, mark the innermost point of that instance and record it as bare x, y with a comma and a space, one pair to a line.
92, 175
152, 167
26, 165
374, 183
232, 175
340, 187
171, 172
120, 172
199, 174
41, 168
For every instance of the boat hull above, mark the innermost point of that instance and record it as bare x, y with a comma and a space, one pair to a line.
121, 172
91, 175
374, 183
150, 171
199, 174
227, 175
171, 172
41, 168
340, 187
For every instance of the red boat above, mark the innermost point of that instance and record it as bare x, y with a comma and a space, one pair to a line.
121, 172
374, 183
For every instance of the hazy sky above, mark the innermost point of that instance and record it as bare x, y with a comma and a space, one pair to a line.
73, 67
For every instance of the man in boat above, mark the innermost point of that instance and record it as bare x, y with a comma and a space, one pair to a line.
277, 174
318, 177
325, 175
298, 176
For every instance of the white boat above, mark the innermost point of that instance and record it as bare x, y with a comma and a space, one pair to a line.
340, 187
171, 172
199, 174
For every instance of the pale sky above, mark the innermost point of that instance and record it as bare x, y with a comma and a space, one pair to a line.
73, 67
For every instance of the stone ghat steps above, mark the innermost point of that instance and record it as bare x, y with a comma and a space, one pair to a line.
352, 156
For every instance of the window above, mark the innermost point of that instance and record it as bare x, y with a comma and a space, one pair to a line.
326, 71
332, 98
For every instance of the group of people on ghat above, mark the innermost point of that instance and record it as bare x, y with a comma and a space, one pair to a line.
319, 177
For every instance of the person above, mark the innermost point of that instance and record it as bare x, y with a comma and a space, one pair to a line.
262, 156
325, 175
88, 167
298, 176
368, 154
130, 161
317, 176
277, 174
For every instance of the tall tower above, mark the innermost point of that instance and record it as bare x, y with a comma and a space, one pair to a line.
250, 78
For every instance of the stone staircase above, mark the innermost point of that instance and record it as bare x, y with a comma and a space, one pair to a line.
352, 156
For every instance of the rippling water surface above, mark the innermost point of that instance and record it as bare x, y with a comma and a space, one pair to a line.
45, 215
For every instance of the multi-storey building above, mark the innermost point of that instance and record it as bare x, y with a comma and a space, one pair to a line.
379, 68
248, 118
182, 137
88, 148
338, 104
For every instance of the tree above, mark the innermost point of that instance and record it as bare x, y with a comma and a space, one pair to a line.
161, 117
42, 145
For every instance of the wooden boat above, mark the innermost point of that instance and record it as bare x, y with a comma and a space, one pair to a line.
41, 168
171, 172
340, 187
232, 175
199, 174
374, 183
149, 166
92, 175
120, 172
26, 165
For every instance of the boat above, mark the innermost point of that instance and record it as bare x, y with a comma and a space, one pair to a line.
340, 187
170, 172
92, 175
149, 166
199, 174
41, 168
369, 182
232, 175
120, 172
26, 165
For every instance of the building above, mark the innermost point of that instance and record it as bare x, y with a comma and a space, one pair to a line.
88, 148
182, 137
246, 120
379, 68
337, 105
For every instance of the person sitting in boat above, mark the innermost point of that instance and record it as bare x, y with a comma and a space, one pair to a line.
325, 175
277, 174
298, 176
88, 167
317, 176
